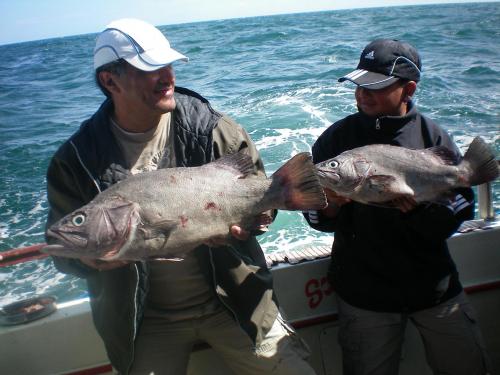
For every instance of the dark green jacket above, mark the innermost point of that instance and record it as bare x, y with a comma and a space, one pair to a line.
90, 161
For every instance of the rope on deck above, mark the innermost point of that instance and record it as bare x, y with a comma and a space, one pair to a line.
298, 255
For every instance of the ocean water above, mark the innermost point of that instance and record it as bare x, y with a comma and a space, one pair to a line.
276, 75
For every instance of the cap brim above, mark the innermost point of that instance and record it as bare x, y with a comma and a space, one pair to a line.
369, 80
155, 59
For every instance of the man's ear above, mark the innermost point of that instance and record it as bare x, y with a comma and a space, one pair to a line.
108, 80
410, 89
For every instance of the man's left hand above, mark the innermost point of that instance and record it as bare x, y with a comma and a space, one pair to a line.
237, 232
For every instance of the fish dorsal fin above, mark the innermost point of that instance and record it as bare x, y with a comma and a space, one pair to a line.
444, 153
239, 163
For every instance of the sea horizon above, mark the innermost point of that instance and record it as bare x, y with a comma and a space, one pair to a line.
264, 15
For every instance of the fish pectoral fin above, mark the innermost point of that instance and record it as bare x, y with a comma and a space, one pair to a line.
159, 229
389, 185
166, 259
380, 182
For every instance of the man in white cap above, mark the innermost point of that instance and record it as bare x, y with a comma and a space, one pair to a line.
151, 314
392, 264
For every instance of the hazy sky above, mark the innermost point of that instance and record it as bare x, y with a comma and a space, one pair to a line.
24, 20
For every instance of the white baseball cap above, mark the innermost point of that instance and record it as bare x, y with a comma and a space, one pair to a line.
137, 42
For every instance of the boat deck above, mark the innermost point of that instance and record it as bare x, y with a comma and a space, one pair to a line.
65, 342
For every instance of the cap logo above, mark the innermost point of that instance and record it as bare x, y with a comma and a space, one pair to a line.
370, 55
356, 74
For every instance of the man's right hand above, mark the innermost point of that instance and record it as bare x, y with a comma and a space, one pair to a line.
102, 265
333, 197
335, 201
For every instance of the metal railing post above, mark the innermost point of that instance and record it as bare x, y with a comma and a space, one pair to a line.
485, 201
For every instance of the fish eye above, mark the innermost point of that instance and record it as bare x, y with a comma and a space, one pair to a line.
78, 220
333, 164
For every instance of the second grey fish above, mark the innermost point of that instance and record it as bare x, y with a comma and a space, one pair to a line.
379, 174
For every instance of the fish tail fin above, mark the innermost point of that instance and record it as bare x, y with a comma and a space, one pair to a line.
480, 161
298, 184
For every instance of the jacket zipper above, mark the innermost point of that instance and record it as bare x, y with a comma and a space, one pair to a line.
85, 168
377, 124
215, 286
134, 333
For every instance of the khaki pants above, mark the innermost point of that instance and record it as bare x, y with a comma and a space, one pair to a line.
371, 341
164, 348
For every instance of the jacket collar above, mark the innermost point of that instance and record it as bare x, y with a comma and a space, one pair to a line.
388, 124
194, 120
96, 147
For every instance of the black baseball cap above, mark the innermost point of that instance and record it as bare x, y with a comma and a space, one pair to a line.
383, 62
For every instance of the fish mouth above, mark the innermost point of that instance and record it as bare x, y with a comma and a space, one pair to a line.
63, 243
74, 238
60, 250
71, 251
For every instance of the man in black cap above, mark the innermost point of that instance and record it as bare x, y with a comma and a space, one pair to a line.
391, 265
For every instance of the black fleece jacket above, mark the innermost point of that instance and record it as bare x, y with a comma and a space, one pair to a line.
384, 259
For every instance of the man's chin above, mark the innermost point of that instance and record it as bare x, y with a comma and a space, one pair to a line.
368, 111
166, 105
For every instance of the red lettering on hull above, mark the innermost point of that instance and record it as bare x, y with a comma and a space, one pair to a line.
316, 290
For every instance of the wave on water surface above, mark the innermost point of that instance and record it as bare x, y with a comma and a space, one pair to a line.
276, 76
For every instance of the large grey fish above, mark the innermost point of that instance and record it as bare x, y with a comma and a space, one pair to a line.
379, 174
167, 212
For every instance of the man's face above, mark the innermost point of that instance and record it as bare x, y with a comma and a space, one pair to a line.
389, 101
150, 92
